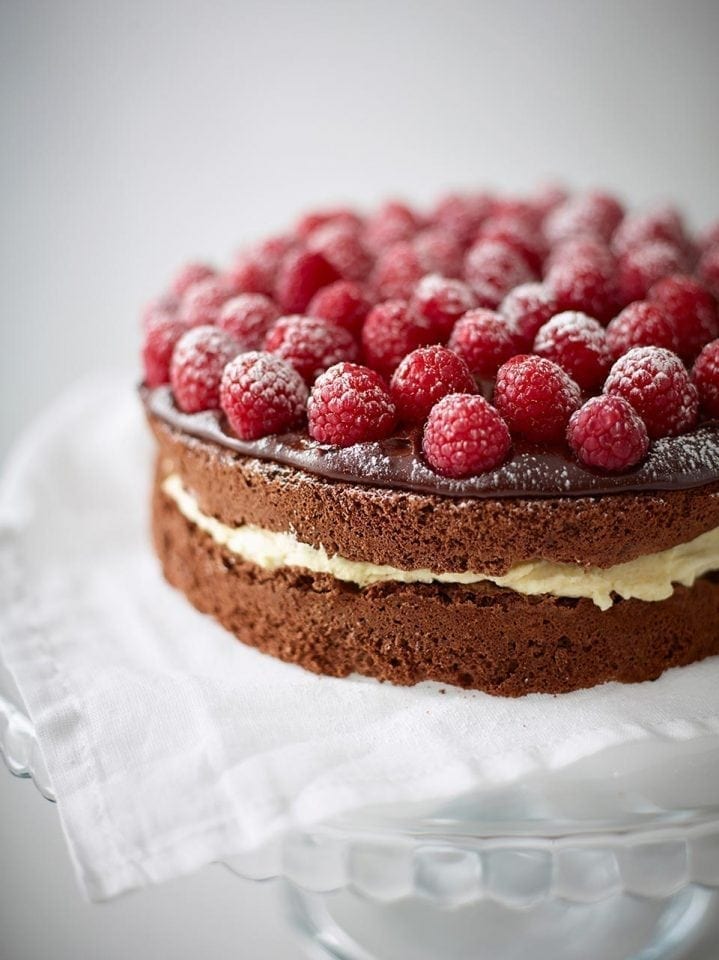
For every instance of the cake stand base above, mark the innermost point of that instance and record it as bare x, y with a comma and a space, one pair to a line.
347, 926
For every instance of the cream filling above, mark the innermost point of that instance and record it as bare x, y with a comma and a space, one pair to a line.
651, 577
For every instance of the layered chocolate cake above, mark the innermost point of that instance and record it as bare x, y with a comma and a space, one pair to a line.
476, 446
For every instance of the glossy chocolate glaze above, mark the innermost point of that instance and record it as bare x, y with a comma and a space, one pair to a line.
674, 463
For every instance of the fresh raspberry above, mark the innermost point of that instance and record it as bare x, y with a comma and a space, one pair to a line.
261, 394
594, 214
255, 270
484, 340
350, 404
301, 274
424, 377
188, 275
396, 272
340, 216
341, 245
519, 234
161, 336
657, 385
709, 237
585, 283
691, 310
536, 397
463, 214
247, 318
705, 377
578, 344
492, 268
641, 324
159, 308
608, 433
527, 308
311, 345
637, 229
392, 223
203, 301
640, 268
389, 333
440, 302
199, 358
547, 197
464, 435
708, 270
581, 248
517, 210
439, 252
343, 302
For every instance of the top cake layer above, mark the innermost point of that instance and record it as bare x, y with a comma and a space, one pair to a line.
544, 346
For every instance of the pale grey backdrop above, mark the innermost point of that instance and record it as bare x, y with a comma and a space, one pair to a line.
137, 134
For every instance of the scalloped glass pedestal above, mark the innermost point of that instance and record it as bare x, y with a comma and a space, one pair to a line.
612, 858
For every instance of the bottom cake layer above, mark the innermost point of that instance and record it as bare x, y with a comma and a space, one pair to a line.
480, 636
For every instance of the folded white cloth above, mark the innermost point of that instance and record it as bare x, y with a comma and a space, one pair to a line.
171, 745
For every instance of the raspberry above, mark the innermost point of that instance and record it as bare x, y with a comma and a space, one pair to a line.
202, 301
389, 333
526, 309
484, 340
581, 248
463, 214
464, 435
247, 318
593, 214
199, 358
261, 394
657, 385
440, 302
709, 237
188, 275
638, 229
350, 404
396, 272
310, 222
518, 234
160, 338
536, 397
641, 324
311, 345
424, 377
392, 223
492, 268
578, 344
584, 282
705, 377
641, 267
160, 308
547, 197
255, 270
708, 270
301, 274
608, 433
691, 310
439, 252
343, 302
342, 246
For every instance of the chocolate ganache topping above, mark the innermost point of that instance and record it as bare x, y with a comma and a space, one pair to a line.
673, 463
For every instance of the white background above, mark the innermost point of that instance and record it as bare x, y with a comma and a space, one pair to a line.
139, 133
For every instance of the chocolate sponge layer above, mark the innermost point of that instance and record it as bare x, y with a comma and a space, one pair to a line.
411, 531
480, 636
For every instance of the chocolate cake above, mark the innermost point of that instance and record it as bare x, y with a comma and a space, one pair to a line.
385, 446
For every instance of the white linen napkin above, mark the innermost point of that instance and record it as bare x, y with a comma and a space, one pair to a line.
171, 745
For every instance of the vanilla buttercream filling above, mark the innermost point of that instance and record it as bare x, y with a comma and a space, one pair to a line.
650, 577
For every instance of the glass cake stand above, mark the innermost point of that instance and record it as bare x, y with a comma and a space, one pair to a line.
613, 858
